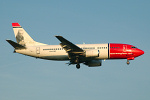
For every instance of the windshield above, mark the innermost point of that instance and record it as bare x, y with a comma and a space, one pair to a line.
133, 47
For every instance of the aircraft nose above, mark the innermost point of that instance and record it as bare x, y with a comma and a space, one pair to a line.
140, 52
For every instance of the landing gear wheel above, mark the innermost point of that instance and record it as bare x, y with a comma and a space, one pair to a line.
78, 66
128, 62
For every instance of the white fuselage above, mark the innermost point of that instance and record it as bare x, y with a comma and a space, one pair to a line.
56, 52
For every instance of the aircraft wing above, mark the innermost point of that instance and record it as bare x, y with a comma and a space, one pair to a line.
69, 47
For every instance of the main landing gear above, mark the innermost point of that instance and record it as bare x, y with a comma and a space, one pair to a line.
78, 64
128, 62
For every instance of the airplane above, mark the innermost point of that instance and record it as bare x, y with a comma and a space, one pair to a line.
88, 54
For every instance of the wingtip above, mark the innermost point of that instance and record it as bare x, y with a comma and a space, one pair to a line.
7, 39
58, 36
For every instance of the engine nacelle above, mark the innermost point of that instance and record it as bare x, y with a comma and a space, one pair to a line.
92, 53
94, 63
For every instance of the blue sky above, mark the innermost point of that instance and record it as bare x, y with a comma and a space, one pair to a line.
96, 21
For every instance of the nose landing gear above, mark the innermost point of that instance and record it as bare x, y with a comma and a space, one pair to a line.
128, 62
131, 58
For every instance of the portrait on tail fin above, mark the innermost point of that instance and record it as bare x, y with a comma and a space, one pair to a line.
20, 37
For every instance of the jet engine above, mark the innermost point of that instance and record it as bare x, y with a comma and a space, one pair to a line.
92, 53
94, 63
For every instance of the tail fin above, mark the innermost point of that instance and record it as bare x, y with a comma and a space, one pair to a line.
22, 36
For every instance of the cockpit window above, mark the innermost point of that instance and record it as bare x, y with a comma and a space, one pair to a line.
133, 47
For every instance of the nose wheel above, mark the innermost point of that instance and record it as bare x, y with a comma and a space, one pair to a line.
128, 62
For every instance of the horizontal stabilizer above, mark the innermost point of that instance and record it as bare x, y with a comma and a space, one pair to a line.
15, 45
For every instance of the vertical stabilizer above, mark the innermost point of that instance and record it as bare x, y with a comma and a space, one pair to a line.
22, 36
